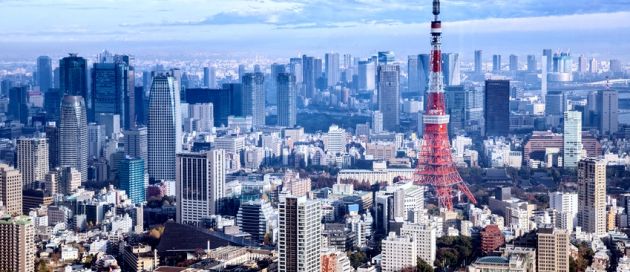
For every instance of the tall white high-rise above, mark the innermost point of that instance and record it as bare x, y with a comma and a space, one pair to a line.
565, 206
367, 75
425, 236
200, 185
572, 139
398, 253
592, 196
32, 160
73, 135
335, 140
332, 68
377, 122
209, 77
165, 127
96, 138
299, 237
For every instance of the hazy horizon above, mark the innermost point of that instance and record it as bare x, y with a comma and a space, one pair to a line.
281, 29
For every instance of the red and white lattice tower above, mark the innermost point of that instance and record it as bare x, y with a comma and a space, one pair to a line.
435, 161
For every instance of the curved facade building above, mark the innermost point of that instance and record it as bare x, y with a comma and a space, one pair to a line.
165, 127
73, 135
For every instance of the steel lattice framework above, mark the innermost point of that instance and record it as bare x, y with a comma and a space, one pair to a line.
435, 161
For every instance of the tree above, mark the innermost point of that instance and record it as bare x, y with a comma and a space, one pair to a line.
422, 266
357, 258
42, 266
267, 239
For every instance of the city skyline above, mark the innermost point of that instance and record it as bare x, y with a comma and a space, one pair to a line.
252, 28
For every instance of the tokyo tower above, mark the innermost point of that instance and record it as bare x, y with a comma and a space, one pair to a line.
435, 162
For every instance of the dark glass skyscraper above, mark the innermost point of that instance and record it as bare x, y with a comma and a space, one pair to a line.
111, 85
44, 73
308, 76
73, 79
497, 107
287, 93
18, 104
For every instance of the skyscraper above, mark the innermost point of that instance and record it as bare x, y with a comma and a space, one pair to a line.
200, 117
52, 136
565, 206
572, 139
11, 189
413, 75
456, 108
254, 97
299, 220
96, 138
377, 122
497, 107
332, 68
200, 185
582, 64
32, 160
287, 99
593, 66
553, 250
555, 103
309, 75
607, 106
367, 75
386, 57
450, 68
478, 61
112, 91
271, 86
388, 81
423, 73
73, 135
532, 66
136, 144
547, 59
165, 129
496, 63
131, 178
513, 63
18, 104
17, 250
592, 196
73, 77
44, 73
209, 77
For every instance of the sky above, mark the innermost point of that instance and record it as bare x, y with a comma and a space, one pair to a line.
284, 28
